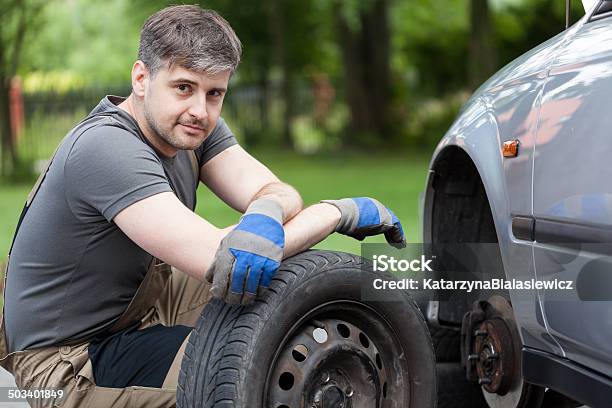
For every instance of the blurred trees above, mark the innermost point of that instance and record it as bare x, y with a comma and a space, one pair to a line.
483, 57
361, 72
19, 18
364, 39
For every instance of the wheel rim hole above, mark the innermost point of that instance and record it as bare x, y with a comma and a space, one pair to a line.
319, 335
299, 353
378, 361
286, 381
364, 340
343, 330
385, 390
283, 406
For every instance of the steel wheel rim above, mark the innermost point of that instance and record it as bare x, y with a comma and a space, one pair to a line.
341, 354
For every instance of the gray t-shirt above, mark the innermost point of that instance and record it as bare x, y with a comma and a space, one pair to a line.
72, 271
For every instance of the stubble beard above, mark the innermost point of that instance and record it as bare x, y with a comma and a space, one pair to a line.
186, 143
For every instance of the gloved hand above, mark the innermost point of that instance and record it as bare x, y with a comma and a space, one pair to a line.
249, 256
363, 216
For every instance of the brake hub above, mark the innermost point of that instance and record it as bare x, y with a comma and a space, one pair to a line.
494, 353
491, 352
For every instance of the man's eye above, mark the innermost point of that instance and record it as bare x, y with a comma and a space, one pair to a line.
216, 94
184, 88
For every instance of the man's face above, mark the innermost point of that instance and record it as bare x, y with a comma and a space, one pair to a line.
181, 106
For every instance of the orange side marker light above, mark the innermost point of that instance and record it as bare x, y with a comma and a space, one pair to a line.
510, 148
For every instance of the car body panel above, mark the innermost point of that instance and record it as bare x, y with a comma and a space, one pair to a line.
572, 188
506, 108
477, 134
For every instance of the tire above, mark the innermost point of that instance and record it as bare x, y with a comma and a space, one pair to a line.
235, 353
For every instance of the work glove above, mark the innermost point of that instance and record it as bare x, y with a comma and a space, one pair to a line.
249, 256
363, 216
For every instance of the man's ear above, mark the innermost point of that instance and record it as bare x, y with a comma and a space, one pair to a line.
140, 78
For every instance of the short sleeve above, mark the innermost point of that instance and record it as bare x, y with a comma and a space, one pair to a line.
108, 169
219, 139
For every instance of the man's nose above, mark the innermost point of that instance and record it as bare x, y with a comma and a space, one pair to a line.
198, 108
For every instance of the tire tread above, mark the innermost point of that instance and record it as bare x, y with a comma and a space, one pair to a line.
217, 371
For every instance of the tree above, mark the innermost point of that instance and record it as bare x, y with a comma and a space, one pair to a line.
483, 58
18, 18
282, 40
364, 39
278, 27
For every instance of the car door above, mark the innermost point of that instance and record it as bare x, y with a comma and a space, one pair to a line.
572, 195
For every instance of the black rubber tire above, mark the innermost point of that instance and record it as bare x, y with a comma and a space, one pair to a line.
232, 348
447, 344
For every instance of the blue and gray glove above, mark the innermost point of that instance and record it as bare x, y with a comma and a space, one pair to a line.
249, 256
363, 216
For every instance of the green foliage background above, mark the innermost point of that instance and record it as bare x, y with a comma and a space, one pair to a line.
98, 41
76, 45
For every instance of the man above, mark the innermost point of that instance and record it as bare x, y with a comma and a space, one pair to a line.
87, 308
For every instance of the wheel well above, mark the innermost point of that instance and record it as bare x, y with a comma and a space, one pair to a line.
461, 211
457, 210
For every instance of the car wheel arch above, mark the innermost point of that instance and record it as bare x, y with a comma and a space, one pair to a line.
458, 207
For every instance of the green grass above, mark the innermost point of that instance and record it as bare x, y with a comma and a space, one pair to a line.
12, 198
396, 179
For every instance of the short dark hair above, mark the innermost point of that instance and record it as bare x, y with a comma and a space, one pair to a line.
191, 37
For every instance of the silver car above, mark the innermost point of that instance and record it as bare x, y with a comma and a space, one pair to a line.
527, 165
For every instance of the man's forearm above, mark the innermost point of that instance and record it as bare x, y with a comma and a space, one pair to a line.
285, 195
263, 238
309, 227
